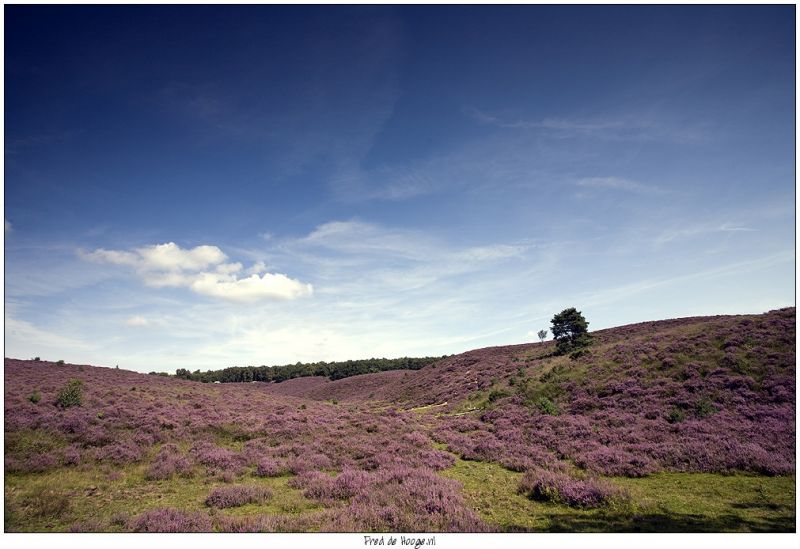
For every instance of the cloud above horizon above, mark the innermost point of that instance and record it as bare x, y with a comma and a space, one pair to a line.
203, 270
629, 126
137, 321
617, 184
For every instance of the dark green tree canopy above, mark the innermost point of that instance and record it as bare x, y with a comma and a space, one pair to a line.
570, 331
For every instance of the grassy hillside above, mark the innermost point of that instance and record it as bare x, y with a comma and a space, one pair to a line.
679, 425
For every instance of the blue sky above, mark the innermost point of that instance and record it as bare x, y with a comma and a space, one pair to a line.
202, 186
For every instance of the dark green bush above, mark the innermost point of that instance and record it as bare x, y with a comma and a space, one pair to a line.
71, 394
574, 355
676, 415
497, 394
35, 397
704, 407
547, 406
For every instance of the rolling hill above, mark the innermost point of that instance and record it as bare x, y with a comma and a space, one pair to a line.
676, 425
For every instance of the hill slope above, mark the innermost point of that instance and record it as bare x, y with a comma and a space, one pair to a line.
701, 394
532, 441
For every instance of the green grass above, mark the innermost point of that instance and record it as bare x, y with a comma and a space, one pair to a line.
426, 408
55, 500
33, 441
665, 502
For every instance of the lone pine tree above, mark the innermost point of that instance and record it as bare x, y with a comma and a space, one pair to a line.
570, 331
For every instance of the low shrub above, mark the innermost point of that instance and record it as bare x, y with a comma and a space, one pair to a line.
270, 468
168, 462
71, 394
236, 496
497, 394
47, 503
704, 407
547, 406
575, 355
676, 415
542, 485
171, 520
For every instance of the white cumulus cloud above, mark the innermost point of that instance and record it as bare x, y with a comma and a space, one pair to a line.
203, 270
252, 288
257, 268
162, 257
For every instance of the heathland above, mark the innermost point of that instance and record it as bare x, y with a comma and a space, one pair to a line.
677, 425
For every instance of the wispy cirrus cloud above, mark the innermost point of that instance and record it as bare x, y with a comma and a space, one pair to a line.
356, 240
481, 164
203, 270
535, 156
626, 127
620, 293
698, 230
617, 184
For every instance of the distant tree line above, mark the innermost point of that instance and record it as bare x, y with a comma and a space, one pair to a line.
331, 370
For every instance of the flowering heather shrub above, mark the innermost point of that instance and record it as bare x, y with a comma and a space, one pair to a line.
236, 496
268, 467
216, 457
35, 463
144, 439
325, 488
416, 438
393, 498
168, 462
561, 488
306, 478
94, 435
171, 520
616, 462
411, 500
74, 422
119, 452
72, 455
308, 462
436, 460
